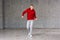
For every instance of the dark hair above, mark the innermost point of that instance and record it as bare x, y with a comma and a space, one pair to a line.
31, 5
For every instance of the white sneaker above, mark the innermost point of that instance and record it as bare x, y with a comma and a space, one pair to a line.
30, 36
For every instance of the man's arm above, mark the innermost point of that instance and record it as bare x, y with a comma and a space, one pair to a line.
24, 13
35, 15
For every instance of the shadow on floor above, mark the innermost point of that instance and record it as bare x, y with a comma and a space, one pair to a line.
38, 34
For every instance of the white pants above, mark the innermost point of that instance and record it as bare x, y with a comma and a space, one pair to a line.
29, 26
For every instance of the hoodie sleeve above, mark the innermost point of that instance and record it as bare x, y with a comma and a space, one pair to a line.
24, 12
35, 14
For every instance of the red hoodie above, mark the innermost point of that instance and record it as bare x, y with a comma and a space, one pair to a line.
30, 14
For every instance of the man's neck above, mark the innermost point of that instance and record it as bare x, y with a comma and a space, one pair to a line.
31, 9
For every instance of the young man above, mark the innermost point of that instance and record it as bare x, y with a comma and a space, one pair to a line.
31, 16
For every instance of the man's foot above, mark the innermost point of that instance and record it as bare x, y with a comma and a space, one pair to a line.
29, 37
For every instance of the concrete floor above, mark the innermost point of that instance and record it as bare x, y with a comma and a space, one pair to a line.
38, 34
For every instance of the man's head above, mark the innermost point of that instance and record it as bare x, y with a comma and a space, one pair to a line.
31, 6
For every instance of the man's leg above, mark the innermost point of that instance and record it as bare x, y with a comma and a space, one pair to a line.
31, 24
27, 25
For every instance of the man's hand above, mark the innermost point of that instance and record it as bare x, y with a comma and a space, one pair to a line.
22, 16
35, 18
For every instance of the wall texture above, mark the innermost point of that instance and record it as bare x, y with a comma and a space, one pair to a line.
48, 13
1, 14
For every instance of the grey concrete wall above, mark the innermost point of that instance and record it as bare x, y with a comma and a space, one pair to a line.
48, 13
13, 12
1, 14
